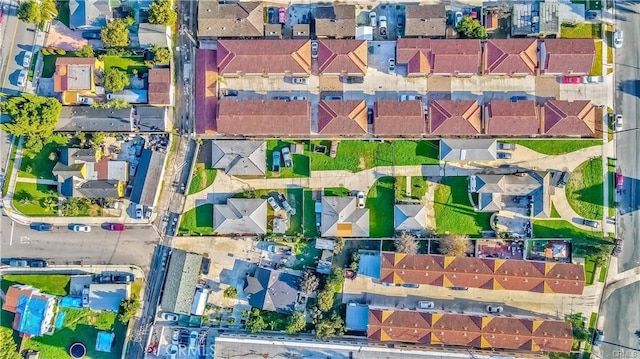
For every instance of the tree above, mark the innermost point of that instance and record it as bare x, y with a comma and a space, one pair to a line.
406, 243
86, 51
297, 323
230, 292
35, 12
128, 309
469, 28
338, 244
115, 80
98, 138
8, 345
454, 245
325, 299
309, 283
34, 117
330, 327
255, 323
50, 203
81, 137
335, 278
579, 332
161, 55
355, 261
116, 33
162, 13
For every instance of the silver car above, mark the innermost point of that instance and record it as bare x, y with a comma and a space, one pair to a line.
618, 37
22, 78
26, 59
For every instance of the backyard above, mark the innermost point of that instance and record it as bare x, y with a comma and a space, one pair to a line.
581, 31
127, 64
310, 228
300, 161
51, 284
453, 212
585, 189
555, 147
203, 177
40, 164
380, 202
197, 221
31, 199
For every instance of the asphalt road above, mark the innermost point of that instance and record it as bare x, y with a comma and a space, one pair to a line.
62, 246
622, 317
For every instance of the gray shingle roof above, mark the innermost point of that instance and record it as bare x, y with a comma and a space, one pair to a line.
88, 14
230, 20
341, 218
410, 217
240, 158
180, 283
87, 119
148, 177
467, 150
241, 216
273, 290
97, 189
150, 118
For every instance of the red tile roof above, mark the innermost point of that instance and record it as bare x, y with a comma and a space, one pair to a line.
264, 57
60, 80
206, 91
454, 117
404, 118
11, 297
415, 54
569, 118
448, 57
568, 56
485, 273
508, 118
485, 332
342, 117
342, 57
160, 86
264, 117
512, 56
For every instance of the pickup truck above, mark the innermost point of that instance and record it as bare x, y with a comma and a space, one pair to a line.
276, 161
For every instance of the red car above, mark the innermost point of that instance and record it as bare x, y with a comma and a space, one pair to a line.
282, 15
619, 180
119, 227
572, 79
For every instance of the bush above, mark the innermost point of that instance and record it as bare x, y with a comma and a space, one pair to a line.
61, 52
230, 292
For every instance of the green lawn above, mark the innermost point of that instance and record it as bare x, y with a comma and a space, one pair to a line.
197, 221
554, 211
29, 198
275, 321
564, 229
301, 166
581, 31
453, 212
590, 266
380, 202
12, 158
202, 178
63, 11
417, 190
355, 155
603, 274
585, 189
54, 284
556, 147
40, 164
310, 228
127, 64
337, 191
596, 70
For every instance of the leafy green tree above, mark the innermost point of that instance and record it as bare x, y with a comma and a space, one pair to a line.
161, 55
162, 13
116, 33
325, 299
309, 283
330, 327
87, 51
128, 309
230, 292
336, 278
50, 203
35, 12
255, 322
81, 137
115, 80
8, 345
34, 117
98, 138
338, 244
297, 323
469, 28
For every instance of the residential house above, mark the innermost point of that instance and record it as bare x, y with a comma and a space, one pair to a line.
484, 273
571, 118
335, 22
74, 77
180, 283
393, 118
455, 118
239, 158
567, 56
264, 57
535, 18
150, 119
509, 118
264, 118
425, 21
86, 119
148, 176
89, 15
446, 57
342, 118
223, 20
453, 150
494, 191
153, 35
469, 330
80, 173
274, 290
342, 57
511, 56
240, 216
160, 87
34, 310
410, 218
108, 296
341, 217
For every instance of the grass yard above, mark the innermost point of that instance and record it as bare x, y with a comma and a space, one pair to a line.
49, 63
581, 31
354, 155
275, 321
197, 221
556, 147
380, 202
29, 199
596, 70
202, 178
564, 229
12, 158
40, 164
127, 64
585, 189
310, 228
554, 211
306, 253
54, 284
590, 266
63, 12
453, 212
301, 166
337, 191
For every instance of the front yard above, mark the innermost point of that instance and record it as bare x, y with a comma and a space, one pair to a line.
453, 211
380, 201
596, 70
581, 31
40, 164
585, 189
197, 221
555, 147
202, 178
564, 229
51, 284
127, 64
31, 199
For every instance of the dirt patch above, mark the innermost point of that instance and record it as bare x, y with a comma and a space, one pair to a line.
362, 165
428, 199
439, 84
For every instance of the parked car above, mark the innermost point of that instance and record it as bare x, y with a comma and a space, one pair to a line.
494, 309
360, 199
175, 337
411, 285
572, 79
38, 263
370, 116
592, 79
564, 178
282, 98
598, 338
286, 206
81, 228
139, 212
169, 317
117, 227
330, 98
193, 338
619, 180
314, 49
352, 79
518, 98
276, 161
457, 18
506, 146
26, 59
400, 21
618, 123
286, 156
41, 227
299, 80
459, 288
206, 265
591, 223
282, 15
274, 205
383, 26
373, 19
425, 304
333, 152
84, 100
272, 15
123, 278
392, 66
503, 155
91, 35
173, 351
18, 263
229, 92
410, 98
618, 247
618, 37
22, 78
298, 98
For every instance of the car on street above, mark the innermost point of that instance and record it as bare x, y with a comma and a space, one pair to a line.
400, 21
91, 35
282, 15
425, 304
572, 80
410, 98
590, 223
282, 98
373, 19
38, 263
41, 227
299, 80
494, 309
618, 123
26, 59
618, 37
18, 263
274, 205
81, 228
411, 285
314, 49
360, 199
298, 98
117, 227
123, 278
459, 288
193, 338
503, 155
229, 92
506, 146
22, 78
286, 157
333, 152
618, 247
619, 180
276, 161
590, 15
175, 337
332, 98
598, 337
392, 65
169, 317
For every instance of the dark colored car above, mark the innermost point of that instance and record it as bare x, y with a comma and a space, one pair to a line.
400, 21
503, 155
370, 116
206, 264
41, 227
284, 98
123, 278
618, 248
229, 92
118, 227
409, 285
459, 288
353, 79
38, 263
272, 15
90, 35
18, 263
518, 98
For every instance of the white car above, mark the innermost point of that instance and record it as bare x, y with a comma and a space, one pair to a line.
494, 309
169, 317
314, 49
26, 59
193, 338
410, 98
175, 337
618, 36
81, 228
618, 123
425, 304
458, 18
373, 19
392, 65
298, 98
360, 199
22, 78
272, 202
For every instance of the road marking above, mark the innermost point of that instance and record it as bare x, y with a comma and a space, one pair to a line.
11, 239
25, 240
